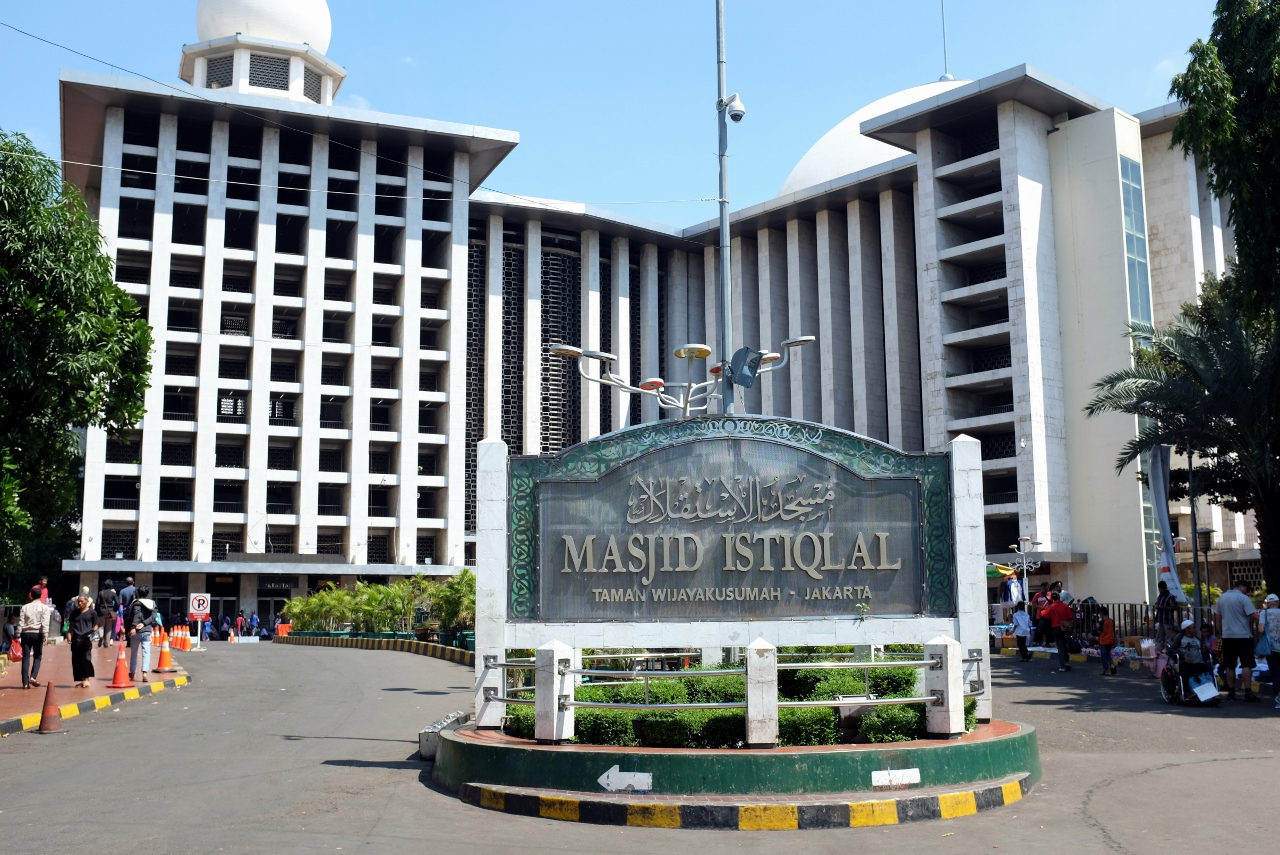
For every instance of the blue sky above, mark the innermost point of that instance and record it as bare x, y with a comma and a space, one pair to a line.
614, 101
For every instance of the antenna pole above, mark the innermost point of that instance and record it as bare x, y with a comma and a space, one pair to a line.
946, 67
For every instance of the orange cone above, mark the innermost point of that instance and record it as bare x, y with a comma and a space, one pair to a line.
50, 716
184, 636
165, 665
120, 680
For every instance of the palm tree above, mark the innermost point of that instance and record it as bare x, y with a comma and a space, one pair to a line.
1209, 383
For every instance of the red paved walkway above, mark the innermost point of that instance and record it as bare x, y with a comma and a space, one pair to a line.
56, 667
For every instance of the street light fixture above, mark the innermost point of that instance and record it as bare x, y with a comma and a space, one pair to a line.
1023, 562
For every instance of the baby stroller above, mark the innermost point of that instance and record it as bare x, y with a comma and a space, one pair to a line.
1179, 681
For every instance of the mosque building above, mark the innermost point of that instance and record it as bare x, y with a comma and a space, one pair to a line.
339, 317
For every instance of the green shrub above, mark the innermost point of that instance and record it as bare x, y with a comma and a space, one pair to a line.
519, 722
672, 728
799, 685
837, 683
604, 727
722, 728
894, 723
665, 691
714, 690
807, 726
904, 648
894, 682
970, 714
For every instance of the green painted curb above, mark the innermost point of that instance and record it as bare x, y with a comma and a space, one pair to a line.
404, 645
774, 815
464, 758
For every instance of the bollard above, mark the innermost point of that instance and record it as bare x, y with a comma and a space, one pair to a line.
551, 723
946, 681
762, 694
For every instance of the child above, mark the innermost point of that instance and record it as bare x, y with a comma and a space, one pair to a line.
1021, 629
1106, 641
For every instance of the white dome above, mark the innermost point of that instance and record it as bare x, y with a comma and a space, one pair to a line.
294, 21
843, 150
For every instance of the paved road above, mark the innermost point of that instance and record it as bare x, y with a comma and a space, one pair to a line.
299, 749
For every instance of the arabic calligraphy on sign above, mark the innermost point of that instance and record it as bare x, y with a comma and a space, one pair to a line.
728, 499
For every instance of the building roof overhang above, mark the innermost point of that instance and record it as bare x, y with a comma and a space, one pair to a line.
86, 95
576, 216
1023, 83
226, 44
1159, 120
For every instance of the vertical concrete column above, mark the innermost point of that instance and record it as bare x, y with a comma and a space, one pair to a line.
931, 148
158, 310
589, 331
746, 311
493, 328
697, 303
901, 332
95, 438
491, 576
712, 656
677, 314
1215, 261
206, 437
1035, 341
455, 464
260, 352
971, 556
945, 681
650, 359
802, 319
552, 724
620, 323
711, 307
533, 337
775, 387
835, 378
1171, 189
313, 356
248, 594
410, 361
866, 317
762, 694
362, 338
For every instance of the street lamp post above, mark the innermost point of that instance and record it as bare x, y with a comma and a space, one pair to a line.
1204, 540
1023, 562
727, 108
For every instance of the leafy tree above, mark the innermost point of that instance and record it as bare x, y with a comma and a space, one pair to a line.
74, 352
1231, 95
1209, 383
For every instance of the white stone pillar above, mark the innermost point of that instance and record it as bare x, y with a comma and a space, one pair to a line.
552, 724
802, 319
589, 331
937, 411
533, 337
835, 377
697, 313
677, 314
650, 361
491, 576
971, 558
866, 316
775, 387
902, 336
1210, 223
313, 357
410, 362
361, 364
455, 465
493, 329
620, 323
746, 312
944, 719
762, 694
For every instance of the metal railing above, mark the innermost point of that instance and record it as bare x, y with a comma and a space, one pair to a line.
228, 507
170, 416
175, 504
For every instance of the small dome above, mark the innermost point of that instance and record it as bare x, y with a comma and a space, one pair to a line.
843, 150
295, 21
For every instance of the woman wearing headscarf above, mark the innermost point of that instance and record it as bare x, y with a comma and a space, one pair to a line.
84, 620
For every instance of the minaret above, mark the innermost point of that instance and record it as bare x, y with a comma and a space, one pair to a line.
264, 47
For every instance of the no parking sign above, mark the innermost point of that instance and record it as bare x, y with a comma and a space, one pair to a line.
198, 607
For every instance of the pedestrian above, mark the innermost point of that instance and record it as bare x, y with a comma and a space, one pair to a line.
1061, 620
55, 624
1021, 629
1039, 603
1270, 621
44, 590
226, 625
240, 623
1190, 649
1235, 616
6, 641
108, 602
140, 622
84, 622
33, 629
127, 593
205, 628
1106, 641
253, 623
1166, 615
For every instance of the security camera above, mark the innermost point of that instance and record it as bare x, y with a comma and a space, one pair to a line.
735, 108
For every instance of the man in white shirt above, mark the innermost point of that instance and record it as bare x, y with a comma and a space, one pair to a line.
33, 630
1235, 616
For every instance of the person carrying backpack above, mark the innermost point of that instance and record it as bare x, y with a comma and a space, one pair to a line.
139, 623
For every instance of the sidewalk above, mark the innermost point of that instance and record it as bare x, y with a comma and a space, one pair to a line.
55, 667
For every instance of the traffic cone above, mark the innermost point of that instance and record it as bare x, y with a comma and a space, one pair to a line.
120, 680
165, 665
185, 637
50, 716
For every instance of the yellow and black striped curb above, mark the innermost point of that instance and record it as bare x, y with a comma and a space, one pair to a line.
142, 690
775, 815
404, 645
1131, 664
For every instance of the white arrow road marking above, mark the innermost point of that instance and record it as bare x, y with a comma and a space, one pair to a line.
615, 781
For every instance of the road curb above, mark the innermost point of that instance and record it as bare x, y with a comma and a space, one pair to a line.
88, 705
764, 814
403, 645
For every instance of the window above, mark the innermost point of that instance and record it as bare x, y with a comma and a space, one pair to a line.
379, 462
124, 451
427, 504
331, 460
426, 463
280, 412
177, 454
242, 183
245, 141
334, 330
344, 155
228, 456
269, 72
342, 195
379, 549
218, 72
280, 542
426, 552
332, 417
1135, 240
284, 327
338, 239
136, 217
228, 497
293, 189
291, 234
241, 229
195, 135
333, 375
329, 544
279, 498
119, 544
139, 172
379, 503
280, 457
295, 147
175, 494
389, 201
233, 369
173, 545
428, 381
226, 542
284, 372
233, 407
185, 272
329, 501
134, 267
141, 128
237, 277
311, 85
182, 364
234, 324
188, 224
